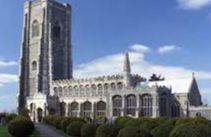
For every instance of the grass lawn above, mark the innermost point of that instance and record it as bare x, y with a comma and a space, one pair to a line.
4, 133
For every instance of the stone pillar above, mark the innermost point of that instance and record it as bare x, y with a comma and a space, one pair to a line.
123, 106
93, 110
79, 110
155, 106
137, 105
66, 110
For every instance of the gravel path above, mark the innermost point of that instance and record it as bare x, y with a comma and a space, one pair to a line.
46, 131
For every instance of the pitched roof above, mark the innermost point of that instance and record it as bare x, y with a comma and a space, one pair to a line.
177, 85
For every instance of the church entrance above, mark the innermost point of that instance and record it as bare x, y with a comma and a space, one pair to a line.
39, 114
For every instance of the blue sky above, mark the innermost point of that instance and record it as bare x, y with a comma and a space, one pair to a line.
169, 37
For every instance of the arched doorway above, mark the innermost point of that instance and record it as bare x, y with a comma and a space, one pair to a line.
39, 114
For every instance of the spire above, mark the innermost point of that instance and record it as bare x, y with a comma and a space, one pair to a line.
127, 64
193, 74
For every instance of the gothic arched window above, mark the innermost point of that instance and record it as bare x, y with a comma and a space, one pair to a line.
117, 105
101, 108
34, 65
87, 108
35, 28
74, 107
163, 105
131, 105
146, 108
57, 30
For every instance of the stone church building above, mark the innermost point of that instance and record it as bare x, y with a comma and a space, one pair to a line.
47, 85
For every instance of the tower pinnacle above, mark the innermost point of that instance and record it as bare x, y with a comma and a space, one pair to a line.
127, 68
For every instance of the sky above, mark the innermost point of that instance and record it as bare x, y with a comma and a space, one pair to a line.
167, 37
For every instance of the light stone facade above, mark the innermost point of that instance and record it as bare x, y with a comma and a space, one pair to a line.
47, 86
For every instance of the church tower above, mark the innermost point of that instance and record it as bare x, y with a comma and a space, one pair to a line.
46, 47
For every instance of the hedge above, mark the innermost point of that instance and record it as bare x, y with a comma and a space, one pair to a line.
134, 132
74, 128
107, 130
88, 130
162, 130
21, 127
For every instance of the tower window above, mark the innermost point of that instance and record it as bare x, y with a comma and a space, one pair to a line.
57, 30
35, 28
34, 65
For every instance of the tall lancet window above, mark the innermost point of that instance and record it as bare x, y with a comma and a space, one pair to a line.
35, 29
57, 30
34, 65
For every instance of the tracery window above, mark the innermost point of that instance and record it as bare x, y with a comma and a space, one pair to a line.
65, 91
117, 105
101, 108
113, 86
131, 105
175, 109
106, 86
60, 91
163, 105
55, 91
119, 86
62, 108
74, 107
70, 91
100, 89
87, 109
35, 28
146, 108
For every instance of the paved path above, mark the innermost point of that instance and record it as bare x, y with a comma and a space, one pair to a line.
46, 131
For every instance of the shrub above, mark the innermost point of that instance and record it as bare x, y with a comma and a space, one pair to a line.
171, 122
150, 125
56, 121
10, 117
162, 130
48, 120
200, 120
21, 127
182, 121
88, 130
24, 112
134, 132
107, 130
64, 123
133, 123
185, 130
121, 121
74, 128
67, 120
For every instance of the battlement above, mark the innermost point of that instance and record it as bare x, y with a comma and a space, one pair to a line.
90, 80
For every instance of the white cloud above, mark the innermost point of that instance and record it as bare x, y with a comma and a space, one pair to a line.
8, 78
7, 63
168, 48
140, 48
193, 4
113, 64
